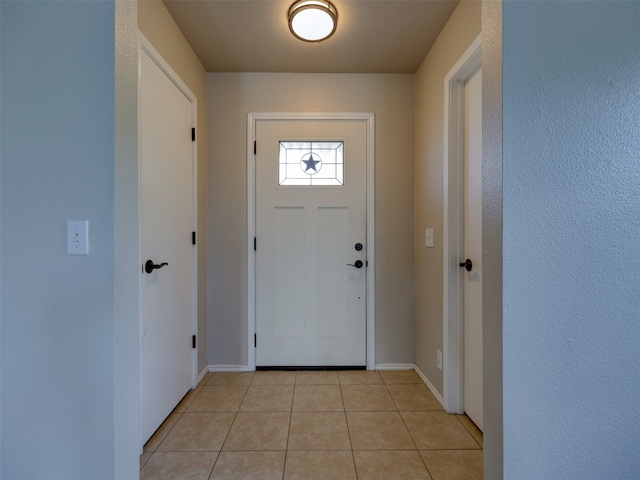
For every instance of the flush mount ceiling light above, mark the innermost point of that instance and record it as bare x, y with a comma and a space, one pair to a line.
313, 20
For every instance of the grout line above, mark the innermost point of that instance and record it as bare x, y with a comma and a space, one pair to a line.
355, 466
164, 437
235, 416
386, 387
214, 463
346, 421
286, 448
149, 458
284, 464
425, 465
408, 431
469, 431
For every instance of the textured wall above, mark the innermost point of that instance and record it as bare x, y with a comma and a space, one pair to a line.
160, 29
571, 239
461, 30
57, 316
231, 97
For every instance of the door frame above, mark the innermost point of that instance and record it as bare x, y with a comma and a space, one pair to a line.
144, 46
453, 231
252, 120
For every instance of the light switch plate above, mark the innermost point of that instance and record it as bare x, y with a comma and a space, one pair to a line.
428, 237
78, 237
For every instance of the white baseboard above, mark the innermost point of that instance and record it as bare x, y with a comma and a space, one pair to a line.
228, 368
395, 366
204, 371
430, 386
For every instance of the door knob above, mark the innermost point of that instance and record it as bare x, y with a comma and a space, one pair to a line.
467, 264
149, 266
357, 264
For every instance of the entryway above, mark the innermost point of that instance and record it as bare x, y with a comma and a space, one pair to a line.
312, 243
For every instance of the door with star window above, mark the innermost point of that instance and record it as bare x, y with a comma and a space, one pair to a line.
311, 252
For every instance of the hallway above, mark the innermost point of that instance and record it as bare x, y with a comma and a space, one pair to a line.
308, 425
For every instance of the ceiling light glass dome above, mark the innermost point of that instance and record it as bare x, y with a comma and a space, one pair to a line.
313, 20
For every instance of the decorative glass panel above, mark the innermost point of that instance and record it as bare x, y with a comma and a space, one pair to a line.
311, 163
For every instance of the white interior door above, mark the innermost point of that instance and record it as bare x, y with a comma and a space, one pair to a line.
167, 220
310, 224
473, 249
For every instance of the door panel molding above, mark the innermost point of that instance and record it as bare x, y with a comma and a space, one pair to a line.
252, 120
453, 240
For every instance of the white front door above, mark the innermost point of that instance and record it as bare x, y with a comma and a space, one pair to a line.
166, 220
473, 248
311, 249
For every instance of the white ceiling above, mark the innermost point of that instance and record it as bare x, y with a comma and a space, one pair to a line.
373, 36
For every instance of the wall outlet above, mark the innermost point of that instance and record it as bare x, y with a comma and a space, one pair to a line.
439, 360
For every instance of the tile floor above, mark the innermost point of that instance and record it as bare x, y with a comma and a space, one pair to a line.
304, 425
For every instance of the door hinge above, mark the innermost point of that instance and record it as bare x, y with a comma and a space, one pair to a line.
193, 134
255, 147
193, 238
255, 244
193, 341
255, 340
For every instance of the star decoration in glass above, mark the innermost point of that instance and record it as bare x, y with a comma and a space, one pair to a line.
311, 164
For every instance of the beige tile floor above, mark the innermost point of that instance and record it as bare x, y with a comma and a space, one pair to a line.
304, 425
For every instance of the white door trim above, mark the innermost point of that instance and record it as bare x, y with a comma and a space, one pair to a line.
453, 242
252, 119
145, 46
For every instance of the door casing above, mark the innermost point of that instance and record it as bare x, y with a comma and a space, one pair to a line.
453, 240
252, 120
146, 46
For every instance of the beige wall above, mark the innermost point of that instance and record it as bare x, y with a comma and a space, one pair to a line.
159, 28
391, 99
492, 237
463, 27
